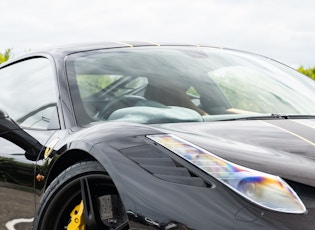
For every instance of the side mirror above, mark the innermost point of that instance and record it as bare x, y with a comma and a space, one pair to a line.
10, 131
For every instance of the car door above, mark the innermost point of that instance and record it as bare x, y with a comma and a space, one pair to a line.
28, 94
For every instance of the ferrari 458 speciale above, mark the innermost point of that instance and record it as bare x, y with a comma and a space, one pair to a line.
141, 135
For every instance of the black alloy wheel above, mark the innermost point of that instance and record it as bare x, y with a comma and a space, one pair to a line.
81, 197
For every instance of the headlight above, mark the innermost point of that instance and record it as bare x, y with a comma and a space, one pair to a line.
264, 189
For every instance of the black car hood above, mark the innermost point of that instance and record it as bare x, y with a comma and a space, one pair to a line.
281, 147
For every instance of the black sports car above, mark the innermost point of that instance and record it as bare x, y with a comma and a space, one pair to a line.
155, 136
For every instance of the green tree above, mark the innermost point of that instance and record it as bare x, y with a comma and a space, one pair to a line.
6, 55
310, 72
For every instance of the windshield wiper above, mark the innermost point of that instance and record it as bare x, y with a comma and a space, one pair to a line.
296, 116
276, 116
273, 116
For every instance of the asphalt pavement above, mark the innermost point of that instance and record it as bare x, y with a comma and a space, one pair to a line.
16, 209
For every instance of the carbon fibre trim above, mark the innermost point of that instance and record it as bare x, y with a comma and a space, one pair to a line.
161, 165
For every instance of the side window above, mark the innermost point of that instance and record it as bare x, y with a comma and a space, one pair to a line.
28, 93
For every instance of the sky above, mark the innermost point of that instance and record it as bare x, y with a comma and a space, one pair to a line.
280, 29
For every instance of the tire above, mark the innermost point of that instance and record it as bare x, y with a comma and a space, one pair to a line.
85, 181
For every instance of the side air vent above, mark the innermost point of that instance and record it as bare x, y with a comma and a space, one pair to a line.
162, 166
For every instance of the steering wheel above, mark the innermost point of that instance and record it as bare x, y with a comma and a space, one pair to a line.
119, 103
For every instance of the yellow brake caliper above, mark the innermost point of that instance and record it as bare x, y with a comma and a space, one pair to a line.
77, 218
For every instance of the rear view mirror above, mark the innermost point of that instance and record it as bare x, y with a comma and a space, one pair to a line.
10, 131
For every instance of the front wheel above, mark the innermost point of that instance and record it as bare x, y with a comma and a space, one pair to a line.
81, 197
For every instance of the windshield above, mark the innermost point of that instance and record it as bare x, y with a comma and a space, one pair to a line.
183, 84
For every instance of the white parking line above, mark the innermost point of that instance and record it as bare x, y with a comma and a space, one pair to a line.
11, 223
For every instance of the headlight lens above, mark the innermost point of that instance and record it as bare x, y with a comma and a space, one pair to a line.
264, 189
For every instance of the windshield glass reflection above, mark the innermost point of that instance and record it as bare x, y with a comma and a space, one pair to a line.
160, 85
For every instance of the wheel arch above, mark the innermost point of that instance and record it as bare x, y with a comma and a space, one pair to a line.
99, 153
66, 160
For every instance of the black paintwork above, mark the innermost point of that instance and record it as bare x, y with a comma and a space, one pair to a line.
153, 201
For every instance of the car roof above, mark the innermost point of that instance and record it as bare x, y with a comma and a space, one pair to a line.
107, 45
64, 50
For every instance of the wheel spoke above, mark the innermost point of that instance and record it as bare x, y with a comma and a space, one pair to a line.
91, 220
